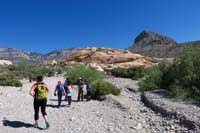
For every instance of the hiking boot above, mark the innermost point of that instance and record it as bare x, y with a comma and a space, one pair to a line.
35, 126
47, 124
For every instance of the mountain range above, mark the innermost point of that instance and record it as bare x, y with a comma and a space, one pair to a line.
16, 56
147, 43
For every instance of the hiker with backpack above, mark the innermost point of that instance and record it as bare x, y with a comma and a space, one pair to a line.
69, 92
80, 89
89, 89
60, 92
65, 87
40, 92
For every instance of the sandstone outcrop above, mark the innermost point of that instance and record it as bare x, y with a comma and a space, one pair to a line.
108, 58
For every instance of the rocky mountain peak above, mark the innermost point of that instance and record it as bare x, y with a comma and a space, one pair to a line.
152, 44
153, 38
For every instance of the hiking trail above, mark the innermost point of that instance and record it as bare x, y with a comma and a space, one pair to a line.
117, 114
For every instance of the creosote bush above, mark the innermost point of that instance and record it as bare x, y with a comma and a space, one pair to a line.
8, 79
132, 72
79, 70
151, 80
181, 79
101, 88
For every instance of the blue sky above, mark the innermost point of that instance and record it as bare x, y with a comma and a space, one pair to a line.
46, 25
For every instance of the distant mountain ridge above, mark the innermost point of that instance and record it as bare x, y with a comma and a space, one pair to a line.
152, 44
16, 56
147, 43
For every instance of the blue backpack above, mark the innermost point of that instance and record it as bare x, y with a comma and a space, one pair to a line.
88, 87
60, 88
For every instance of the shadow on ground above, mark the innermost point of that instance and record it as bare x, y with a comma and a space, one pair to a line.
55, 106
16, 124
163, 93
64, 100
54, 100
19, 124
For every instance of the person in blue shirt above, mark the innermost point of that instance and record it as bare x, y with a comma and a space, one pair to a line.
89, 89
65, 87
60, 91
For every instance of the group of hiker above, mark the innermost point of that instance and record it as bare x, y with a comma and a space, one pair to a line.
40, 91
66, 90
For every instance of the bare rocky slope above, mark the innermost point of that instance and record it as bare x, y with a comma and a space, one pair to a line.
152, 44
15, 55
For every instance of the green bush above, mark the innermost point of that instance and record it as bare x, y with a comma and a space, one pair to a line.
186, 75
132, 72
7, 79
27, 70
101, 88
78, 70
181, 79
51, 73
151, 80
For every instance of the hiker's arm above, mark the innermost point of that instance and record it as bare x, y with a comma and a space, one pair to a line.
63, 92
55, 89
48, 89
31, 92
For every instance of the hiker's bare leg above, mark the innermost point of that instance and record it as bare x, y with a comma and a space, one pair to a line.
36, 122
45, 117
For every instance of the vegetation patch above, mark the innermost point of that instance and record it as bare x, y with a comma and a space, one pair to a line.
151, 80
101, 88
132, 72
8, 79
181, 79
79, 70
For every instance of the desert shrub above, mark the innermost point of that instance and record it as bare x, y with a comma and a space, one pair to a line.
185, 75
101, 88
51, 73
132, 72
27, 70
78, 70
44, 70
8, 79
181, 79
151, 80
119, 72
